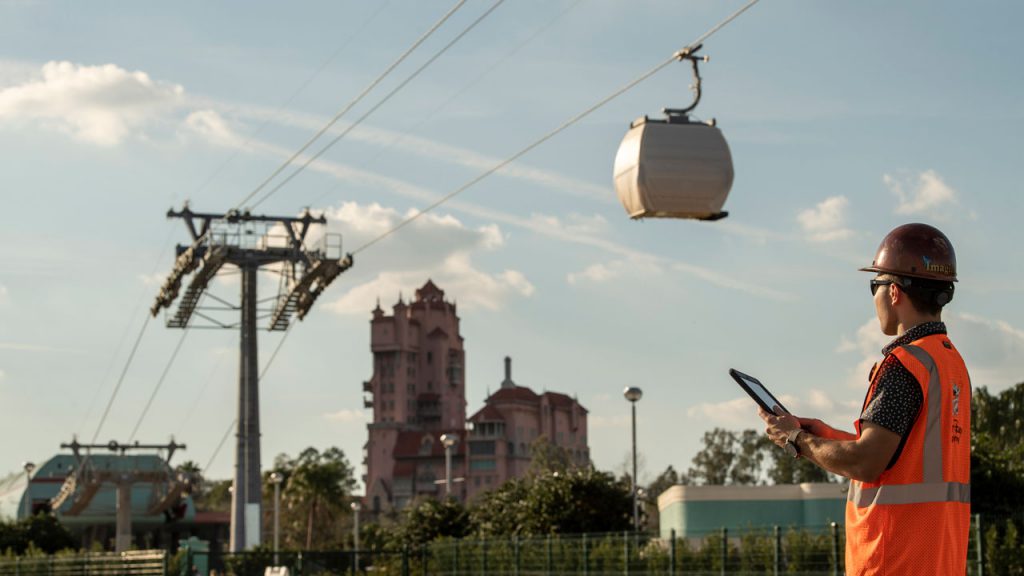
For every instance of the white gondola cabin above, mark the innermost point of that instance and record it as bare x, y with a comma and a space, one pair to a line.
673, 168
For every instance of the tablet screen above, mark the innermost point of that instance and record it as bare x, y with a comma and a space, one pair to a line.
757, 391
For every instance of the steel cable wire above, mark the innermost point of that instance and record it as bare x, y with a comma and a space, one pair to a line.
353, 102
376, 106
677, 56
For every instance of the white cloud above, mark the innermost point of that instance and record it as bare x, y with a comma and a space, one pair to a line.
214, 128
4, 295
438, 247
347, 416
101, 105
2, 375
991, 348
596, 273
868, 341
825, 222
926, 194
599, 422
741, 412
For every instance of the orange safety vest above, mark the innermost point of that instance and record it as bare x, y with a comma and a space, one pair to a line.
915, 518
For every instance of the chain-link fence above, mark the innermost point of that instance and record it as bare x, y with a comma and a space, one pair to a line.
809, 551
137, 563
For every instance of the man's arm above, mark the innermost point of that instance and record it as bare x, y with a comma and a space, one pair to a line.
863, 458
819, 428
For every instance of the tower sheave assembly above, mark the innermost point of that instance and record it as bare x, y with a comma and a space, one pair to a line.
249, 242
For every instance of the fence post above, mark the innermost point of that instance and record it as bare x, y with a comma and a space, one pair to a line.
547, 561
672, 553
405, 560
165, 559
17, 566
978, 544
725, 549
835, 549
777, 559
483, 554
423, 558
515, 554
625, 553
298, 564
456, 557
586, 556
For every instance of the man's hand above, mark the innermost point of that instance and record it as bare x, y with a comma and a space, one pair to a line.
779, 426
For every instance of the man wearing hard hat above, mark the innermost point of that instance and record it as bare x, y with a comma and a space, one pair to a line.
909, 459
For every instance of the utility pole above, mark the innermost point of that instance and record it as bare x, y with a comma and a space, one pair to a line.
248, 242
82, 485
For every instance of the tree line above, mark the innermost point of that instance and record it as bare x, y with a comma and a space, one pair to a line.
557, 497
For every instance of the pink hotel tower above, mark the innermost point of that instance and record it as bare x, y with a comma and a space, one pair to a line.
418, 393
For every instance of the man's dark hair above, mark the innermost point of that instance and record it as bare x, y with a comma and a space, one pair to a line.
927, 296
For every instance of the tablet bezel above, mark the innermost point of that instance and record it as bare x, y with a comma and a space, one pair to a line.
740, 377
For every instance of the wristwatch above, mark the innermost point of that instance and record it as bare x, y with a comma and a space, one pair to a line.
791, 447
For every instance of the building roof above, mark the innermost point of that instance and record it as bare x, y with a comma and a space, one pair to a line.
429, 292
514, 394
487, 414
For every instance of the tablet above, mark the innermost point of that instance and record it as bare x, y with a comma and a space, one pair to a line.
757, 391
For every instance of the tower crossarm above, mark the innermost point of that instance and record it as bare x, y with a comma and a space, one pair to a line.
300, 297
212, 261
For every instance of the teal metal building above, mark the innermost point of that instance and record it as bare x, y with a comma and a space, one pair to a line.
696, 511
22, 495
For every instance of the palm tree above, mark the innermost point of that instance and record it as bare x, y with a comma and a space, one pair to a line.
320, 485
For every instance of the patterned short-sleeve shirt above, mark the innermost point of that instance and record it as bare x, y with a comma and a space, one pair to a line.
897, 398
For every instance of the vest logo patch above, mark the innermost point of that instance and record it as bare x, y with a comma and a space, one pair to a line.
956, 399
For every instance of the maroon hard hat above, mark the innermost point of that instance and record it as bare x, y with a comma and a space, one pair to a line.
916, 251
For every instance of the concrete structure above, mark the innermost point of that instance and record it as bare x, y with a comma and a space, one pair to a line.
696, 511
418, 392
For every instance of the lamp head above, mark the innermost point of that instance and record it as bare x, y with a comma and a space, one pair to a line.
633, 394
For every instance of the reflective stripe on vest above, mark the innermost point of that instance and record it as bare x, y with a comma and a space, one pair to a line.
909, 493
932, 488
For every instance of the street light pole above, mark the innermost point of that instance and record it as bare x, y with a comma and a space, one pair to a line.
276, 479
449, 441
634, 394
29, 467
356, 507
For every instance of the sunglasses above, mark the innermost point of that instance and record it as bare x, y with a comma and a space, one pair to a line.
875, 283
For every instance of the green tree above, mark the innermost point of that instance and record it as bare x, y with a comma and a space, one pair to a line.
213, 496
729, 457
315, 496
431, 519
580, 500
997, 452
41, 532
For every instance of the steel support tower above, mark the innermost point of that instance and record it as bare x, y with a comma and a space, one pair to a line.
249, 243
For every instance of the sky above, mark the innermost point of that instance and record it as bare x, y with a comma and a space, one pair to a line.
844, 120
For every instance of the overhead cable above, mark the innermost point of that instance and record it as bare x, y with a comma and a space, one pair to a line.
466, 87
159, 383
120, 380
675, 57
293, 96
380, 103
354, 101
